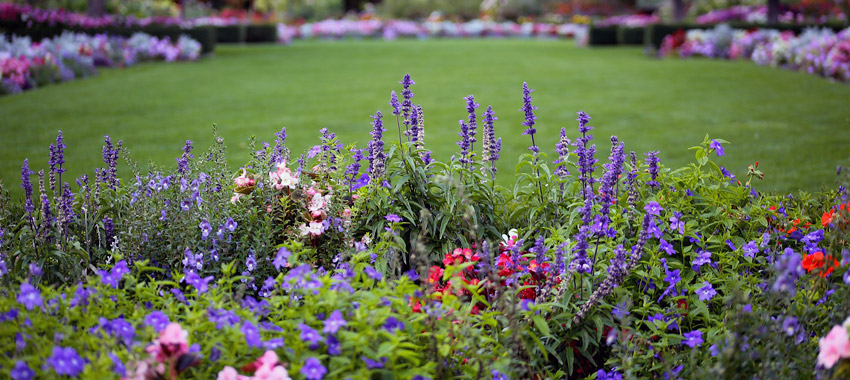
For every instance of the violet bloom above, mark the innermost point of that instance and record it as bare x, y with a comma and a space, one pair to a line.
392, 324
157, 320
652, 160
790, 325
200, 284
671, 277
309, 335
252, 335
563, 150
613, 375
117, 365
313, 369
472, 125
353, 169
183, 160
717, 147
281, 258
693, 339
66, 361
21, 371
29, 296
26, 184
206, 229
373, 364
676, 223
666, 247
395, 104
334, 348
376, 147
706, 292
464, 142
703, 257
407, 103
393, 218
490, 147
374, 274
110, 158
334, 322
230, 224
653, 208
585, 154
750, 249
528, 110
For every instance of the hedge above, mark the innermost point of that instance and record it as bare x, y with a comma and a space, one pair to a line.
230, 34
599, 36
261, 33
630, 35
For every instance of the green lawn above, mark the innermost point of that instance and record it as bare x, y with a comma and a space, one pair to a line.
797, 125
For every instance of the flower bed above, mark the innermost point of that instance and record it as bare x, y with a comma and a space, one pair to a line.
25, 64
815, 51
382, 262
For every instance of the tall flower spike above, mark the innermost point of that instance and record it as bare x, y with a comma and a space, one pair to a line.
110, 158
464, 142
420, 130
472, 125
279, 153
407, 103
414, 125
652, 160
585, 153
529, 122
563, 150
490, 151
376, 147
183, 160
395, 104
26, 184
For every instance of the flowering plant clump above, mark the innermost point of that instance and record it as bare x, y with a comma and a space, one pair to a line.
815, 51
381, 261
25, 64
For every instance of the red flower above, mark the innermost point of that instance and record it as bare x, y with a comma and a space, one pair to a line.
826, 219
816, 261
435, 275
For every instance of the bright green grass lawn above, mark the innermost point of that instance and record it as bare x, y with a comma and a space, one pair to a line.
795, 124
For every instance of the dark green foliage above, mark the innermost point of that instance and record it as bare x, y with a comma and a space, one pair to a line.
230, 34
599, 36
261, 33
630, 36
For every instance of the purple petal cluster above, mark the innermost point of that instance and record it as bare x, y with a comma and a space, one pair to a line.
652, 160
529, 122
66, 361
586, 155
563, 150
110, 158
376, 157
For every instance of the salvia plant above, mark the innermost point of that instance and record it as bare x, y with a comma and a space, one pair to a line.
382, 262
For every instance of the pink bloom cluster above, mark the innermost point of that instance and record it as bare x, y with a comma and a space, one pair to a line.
636, 20
317, 206
835, 345
266, 367
16, 69
392, 29
164, 352
33, 15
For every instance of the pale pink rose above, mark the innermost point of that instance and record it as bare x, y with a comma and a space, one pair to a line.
228, 373
174, 334
833, 347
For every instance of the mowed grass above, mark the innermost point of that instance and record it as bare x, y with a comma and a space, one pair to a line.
796, 125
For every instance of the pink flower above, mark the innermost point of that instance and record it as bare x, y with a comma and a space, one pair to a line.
243, 180
833, 347
271, 373
228, 373
346, 213
172, 342
236, 197
269, 359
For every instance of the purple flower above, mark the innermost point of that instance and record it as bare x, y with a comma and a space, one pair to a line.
528, 110
115, 274
200, 284
789, 325
222, 318
750, 249
395, 104
309, 335
563, 150
110, 158
334, 348
703, 257
666, 247
693, 339
334, 322
206, 229
29, 296
183, 160
407, 95
26, 184
671, 277
392, 324
158, 320
652, 160
252, 335
653, 208
490, 146
676, 223
374, 274
393, 218
706, 292
123, 330
373, 364
313, 369
613, 375
620, 311
117, 365
66, 361
281, 258
376, 148
21, 371
717, 147
230, 224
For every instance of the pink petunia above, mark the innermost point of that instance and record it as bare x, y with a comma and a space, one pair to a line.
833, 347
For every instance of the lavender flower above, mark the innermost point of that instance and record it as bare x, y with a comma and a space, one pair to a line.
585, 154
66, 361
630, 180
157, 320
353, 169
407, 103
393, 218
252, 335
309, 335
21, 371
29, 296
563, 150
373, 364
472, 125
200, 284
395, 104
693, 339
666, 247
490, 148
117, 365
653, 208
463, 143
313, 369
183, 160
717, 147
652, 160
376, 148
671, 277
29, 207
750, 249
334, 322
281, 258
110, 158
528, 110
57, 155
790, 325
374, 274
706, 292
676, 223
703, 257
